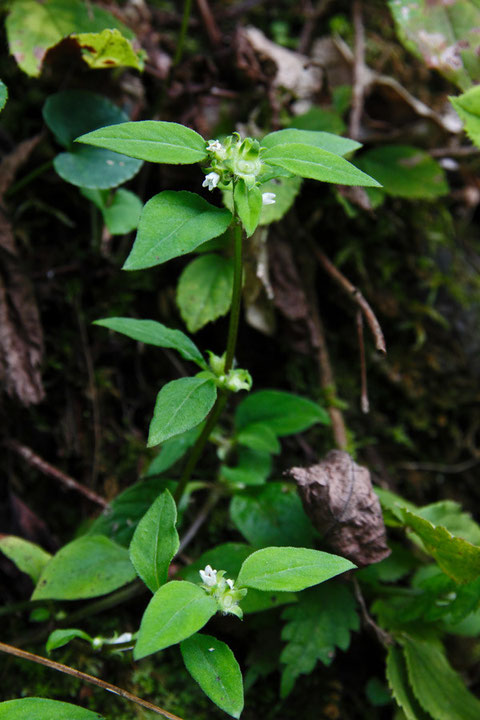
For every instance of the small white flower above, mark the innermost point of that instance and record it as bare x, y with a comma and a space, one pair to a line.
229, 583
211, 180
209, 576
268, 198
214, 146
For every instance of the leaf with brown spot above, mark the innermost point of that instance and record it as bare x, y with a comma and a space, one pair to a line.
338, 497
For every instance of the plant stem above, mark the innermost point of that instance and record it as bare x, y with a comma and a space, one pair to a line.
86, 678
183, 31
221, 401
236, 297
28, 178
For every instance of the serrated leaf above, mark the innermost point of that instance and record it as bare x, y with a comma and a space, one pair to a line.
155, 542
450, 515
397, 677
181, 405
204, 291
272, 515
34, 27
44, 709
152, 140
174, 224
443, 34
320, 622
59, 638
212, 664
457, 558
405, 171
27, 556
119, 520
259, 436
229, 557
176, 611
248, 204
87, 567
3, 95
107, 49
290, 568
437, 687
468, 108
313, 162
172, 450
284, 413
324, 140
151, 332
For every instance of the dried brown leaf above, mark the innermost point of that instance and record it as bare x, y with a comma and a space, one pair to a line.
338, 497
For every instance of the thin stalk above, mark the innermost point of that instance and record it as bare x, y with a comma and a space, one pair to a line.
221, 401
86, 678
28, 178
187, 8
236, 297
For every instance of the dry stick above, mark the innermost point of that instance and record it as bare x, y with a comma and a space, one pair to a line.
86, 678
37, 462
382, 636
358, 70
356, 295
312, 15
364, 404
211, 27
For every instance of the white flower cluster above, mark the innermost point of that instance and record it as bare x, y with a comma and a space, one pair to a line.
223, 590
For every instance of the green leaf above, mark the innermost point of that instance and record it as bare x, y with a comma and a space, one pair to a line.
174, 224
34, 27
87, 567
252, 468
290, 568
324, 140
107, 49
325, 120
176, 611
450, 515
468, 108
3, 95
172, 450
44, 709
443, 34
204, 291
259, 436
72, 112
248, 204
309, 161
181, 405
437, 687
212, 664
153, 140
155, 542
28, 557
456, 557
285, 190
59, 638
121, 213
151, 332
119, 520
229, 557
272, 515
397, 677
320, 622
284, 413
405, 171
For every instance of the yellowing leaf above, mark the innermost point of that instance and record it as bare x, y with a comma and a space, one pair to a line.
108, 48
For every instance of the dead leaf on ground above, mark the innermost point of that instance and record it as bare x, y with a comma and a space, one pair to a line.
338, 497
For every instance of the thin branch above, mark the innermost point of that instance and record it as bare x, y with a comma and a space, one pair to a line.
203, 514
382, 636
358, 70
438, 467
86, 678
44, 467
211, 27
364, 403
356, 296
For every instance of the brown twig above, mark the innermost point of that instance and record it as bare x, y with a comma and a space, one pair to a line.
312, 14
358, 70
382, 636
43, 466
364, 403
438, 467
356, 295
211, 27
24, 655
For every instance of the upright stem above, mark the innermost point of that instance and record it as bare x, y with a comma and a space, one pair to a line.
221, 401
236, 296
183, 31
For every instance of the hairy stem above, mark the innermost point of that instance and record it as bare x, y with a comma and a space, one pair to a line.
187, 8
86, 678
